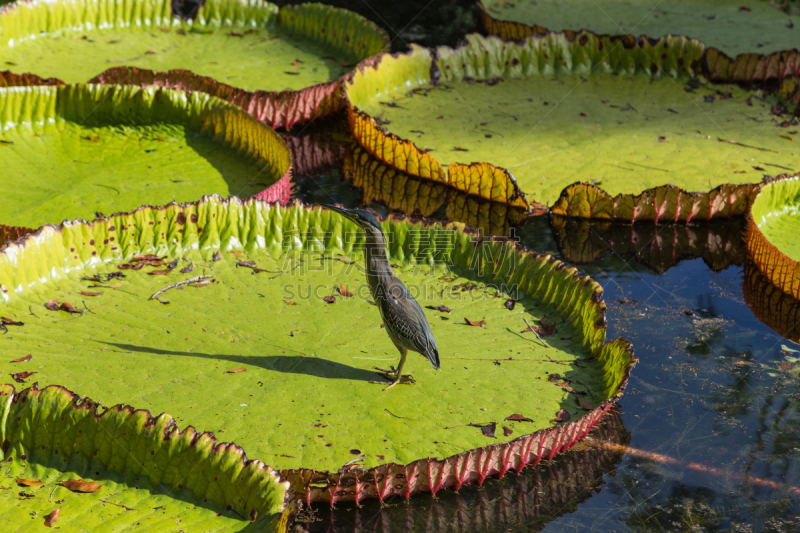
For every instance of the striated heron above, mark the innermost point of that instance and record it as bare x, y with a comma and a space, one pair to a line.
402, 316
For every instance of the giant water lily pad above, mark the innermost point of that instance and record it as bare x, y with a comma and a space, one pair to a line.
774, 223
730, 26
74, 151
551, 112
285, 63
75, 465
276, 350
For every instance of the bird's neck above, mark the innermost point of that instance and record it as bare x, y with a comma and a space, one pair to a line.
376, 260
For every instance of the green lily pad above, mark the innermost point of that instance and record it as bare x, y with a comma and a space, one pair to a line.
548, 113
74, 151
282, 54
139, 469
257, 354
774, 223
730, 26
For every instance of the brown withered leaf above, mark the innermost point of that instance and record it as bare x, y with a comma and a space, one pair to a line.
562, 415
87, 293
159, 272
145, 257
50, 519
471, 323
510, 304
247, 264
289, 302
235, 370
518, 418
489, 429
93, 138
585, 405
344, 292
507, 431
52, 305
23, 359
330, 299
172, 264
10, 322
92, 278
19, 377
786, 365
217, 256
545, 330
187, 269
573, 391
554, 378
28, 482
442, 308
79, 485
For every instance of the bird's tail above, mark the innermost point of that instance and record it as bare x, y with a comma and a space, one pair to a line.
432, 353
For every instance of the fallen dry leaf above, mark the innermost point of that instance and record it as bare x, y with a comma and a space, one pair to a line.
786, 365
52, 305
545, 329
471, 323
518, 418
585, 405
488, 430
344, 292
50, 519
187, 269
20, 376
442, 308
172, 264
159, 272
9, 322
235, 370
217, 256
507, 431
510, 304
28, 482
247, 264
86, 293
79, 485
289, 302
69, 308
742, 363
23, 359
562, 415
330, 299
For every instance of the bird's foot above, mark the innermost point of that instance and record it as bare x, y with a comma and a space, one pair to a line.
405, 379
392, 370
391, 375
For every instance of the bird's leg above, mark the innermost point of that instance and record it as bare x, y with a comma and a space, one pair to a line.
397, 376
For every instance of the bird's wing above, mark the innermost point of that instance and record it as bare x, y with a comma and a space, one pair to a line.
401, 311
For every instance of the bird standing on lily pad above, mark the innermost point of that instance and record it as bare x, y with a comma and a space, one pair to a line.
402, 316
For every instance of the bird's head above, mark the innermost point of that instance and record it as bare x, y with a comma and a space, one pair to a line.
362, 217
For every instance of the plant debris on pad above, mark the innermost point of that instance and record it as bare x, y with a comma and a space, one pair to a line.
188, 347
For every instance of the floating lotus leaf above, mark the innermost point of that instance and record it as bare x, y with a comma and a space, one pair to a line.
257, 355
74, 151
772, 230
729, 26
528, 501
770, 305
148, 470
419, 197
720, 243
551, 112
281, 65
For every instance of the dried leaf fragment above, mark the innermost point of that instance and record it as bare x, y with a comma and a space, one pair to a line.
563, 415
159, 272
52, 305
23, 359
585, 405
50, 519
510, 303
344, 292
546, 329
489, 429
442, 308
330, 299
289, 302
28, 482
477, 324
246, 264
87, 293
507, 431
5, 321
786, 365
217, 256
187, 269
79, 485
20, 376
518, 418
235, 370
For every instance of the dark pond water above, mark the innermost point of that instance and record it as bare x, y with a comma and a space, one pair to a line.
707, 437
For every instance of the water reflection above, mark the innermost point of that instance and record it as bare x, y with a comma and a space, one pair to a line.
770, 305
526, 501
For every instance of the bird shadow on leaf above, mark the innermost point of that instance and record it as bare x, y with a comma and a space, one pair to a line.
317, 367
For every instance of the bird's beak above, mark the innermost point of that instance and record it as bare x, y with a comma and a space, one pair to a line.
341, 210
